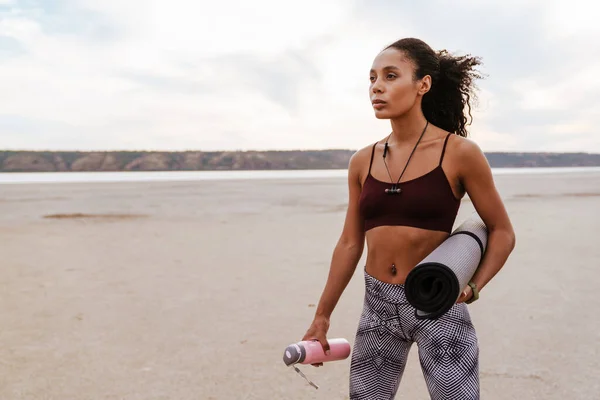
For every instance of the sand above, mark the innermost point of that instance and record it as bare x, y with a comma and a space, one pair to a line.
191, 290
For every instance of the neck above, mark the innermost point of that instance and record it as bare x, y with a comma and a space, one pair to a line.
408, 127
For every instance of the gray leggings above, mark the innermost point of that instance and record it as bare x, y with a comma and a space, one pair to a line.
448, 349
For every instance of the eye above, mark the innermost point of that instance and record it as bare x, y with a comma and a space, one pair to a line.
372, 78
391, 76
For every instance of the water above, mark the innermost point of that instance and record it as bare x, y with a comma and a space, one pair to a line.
173, 176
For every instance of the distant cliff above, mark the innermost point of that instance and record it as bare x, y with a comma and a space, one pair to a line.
46, 161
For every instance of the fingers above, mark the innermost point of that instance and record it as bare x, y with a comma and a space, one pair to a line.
318, 332
324, 343
326, 348
464, 295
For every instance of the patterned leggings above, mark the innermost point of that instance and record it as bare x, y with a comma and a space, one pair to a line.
448, 348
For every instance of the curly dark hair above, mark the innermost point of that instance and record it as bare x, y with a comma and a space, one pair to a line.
452, 83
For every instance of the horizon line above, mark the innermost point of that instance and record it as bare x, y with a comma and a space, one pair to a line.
264, 151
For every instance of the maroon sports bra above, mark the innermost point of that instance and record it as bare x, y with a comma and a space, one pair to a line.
425, 202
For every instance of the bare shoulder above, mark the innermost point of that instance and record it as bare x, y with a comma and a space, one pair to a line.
359, 162
466, 146
467, 154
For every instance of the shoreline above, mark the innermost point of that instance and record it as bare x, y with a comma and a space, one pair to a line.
7, 178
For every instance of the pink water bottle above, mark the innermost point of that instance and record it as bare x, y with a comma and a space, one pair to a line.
311, 352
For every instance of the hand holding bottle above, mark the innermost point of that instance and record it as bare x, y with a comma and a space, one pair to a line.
318, 331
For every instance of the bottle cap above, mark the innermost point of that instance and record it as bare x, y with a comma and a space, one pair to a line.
292, 354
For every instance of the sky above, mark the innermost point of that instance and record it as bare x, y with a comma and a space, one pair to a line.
270, 74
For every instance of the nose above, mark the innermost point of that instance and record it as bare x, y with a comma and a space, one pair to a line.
376, 86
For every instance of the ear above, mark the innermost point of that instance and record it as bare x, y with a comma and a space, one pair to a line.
424, 85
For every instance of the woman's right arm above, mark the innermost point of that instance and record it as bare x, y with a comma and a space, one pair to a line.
346, 255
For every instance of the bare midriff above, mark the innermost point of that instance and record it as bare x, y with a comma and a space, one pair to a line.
393, 251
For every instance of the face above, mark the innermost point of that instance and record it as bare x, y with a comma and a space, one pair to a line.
393, 90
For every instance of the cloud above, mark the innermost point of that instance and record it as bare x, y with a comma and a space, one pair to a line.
112, 74
10, 47
541, 72
279, 78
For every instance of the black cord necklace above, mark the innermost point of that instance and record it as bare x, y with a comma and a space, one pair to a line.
395, 189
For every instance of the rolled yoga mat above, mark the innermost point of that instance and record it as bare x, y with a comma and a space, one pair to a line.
434, 284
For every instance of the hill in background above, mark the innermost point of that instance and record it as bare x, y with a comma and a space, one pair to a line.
55, 161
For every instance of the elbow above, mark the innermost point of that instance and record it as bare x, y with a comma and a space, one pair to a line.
511, 242
512, 238
508, 237
352, 246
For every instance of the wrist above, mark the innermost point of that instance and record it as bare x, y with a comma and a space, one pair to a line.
322, 316
474, 293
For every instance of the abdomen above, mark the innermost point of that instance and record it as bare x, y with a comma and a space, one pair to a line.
402, 246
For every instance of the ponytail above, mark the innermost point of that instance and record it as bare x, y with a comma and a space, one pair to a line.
452, 84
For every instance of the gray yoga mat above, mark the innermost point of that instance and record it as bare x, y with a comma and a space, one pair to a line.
434, 284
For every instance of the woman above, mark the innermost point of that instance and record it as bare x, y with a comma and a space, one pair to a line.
404, 195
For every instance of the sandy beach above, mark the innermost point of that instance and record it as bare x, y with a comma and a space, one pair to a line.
191, 290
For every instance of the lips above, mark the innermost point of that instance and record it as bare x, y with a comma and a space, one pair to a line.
378, 104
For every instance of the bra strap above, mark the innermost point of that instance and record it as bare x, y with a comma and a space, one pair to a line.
444, 148
372, 154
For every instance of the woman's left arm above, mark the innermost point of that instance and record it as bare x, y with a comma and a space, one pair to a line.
476, 178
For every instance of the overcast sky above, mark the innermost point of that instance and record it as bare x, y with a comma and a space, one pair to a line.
272, 74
